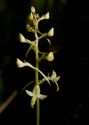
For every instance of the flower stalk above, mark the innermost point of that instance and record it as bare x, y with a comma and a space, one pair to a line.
37, 81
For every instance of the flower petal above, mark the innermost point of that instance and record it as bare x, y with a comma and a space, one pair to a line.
57, 78
29, 93
42, 96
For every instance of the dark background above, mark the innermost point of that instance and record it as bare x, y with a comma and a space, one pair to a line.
70, 19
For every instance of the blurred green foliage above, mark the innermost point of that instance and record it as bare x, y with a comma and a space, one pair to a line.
1, 88
2, 5
48, 5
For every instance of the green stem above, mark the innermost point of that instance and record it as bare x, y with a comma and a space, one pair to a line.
37, 82
38, 112
42, 36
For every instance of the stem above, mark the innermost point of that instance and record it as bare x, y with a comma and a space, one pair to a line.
43, 35
38, 112
36, 80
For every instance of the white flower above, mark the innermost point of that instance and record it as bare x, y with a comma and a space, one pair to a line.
35, 95
22, 38
32, 9
50, 56
54, 78
46, 16
51, 32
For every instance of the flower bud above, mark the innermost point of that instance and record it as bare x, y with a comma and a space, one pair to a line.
33, 9
51, 32
46, 16
19, 63
50, 56
22, 38
30, 17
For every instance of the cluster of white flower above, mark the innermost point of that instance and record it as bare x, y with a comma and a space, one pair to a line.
33, 45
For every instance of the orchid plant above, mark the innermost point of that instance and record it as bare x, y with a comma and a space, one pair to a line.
39, 56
